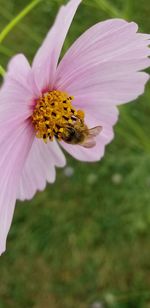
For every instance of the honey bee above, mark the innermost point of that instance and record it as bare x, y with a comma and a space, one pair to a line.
81, 135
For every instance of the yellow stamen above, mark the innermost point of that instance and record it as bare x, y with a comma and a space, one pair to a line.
53, 113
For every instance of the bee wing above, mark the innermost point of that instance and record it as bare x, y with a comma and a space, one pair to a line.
95, 131
88, 143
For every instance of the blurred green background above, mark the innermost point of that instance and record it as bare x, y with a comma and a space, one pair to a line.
84, 241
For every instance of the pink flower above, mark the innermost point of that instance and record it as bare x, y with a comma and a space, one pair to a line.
55, 101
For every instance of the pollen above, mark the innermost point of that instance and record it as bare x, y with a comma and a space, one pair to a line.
53, 113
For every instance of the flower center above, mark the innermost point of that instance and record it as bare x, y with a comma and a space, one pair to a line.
54, 116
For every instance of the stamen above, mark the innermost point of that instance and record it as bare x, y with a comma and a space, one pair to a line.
53, 114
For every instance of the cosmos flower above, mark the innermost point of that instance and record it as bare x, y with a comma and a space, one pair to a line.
51, 104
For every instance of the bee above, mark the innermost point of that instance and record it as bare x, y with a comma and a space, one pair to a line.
81, 135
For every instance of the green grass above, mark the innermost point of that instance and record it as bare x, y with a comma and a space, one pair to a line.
87, 237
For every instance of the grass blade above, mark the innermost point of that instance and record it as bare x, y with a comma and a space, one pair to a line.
2, 71
17, 19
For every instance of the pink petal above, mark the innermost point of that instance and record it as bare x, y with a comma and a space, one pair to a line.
105, 117
16, 95
46, 59
15, 139
40, 168
104, 63
14, 148
19, 71
116, 91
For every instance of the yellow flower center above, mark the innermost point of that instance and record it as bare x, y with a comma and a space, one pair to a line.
54, 116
